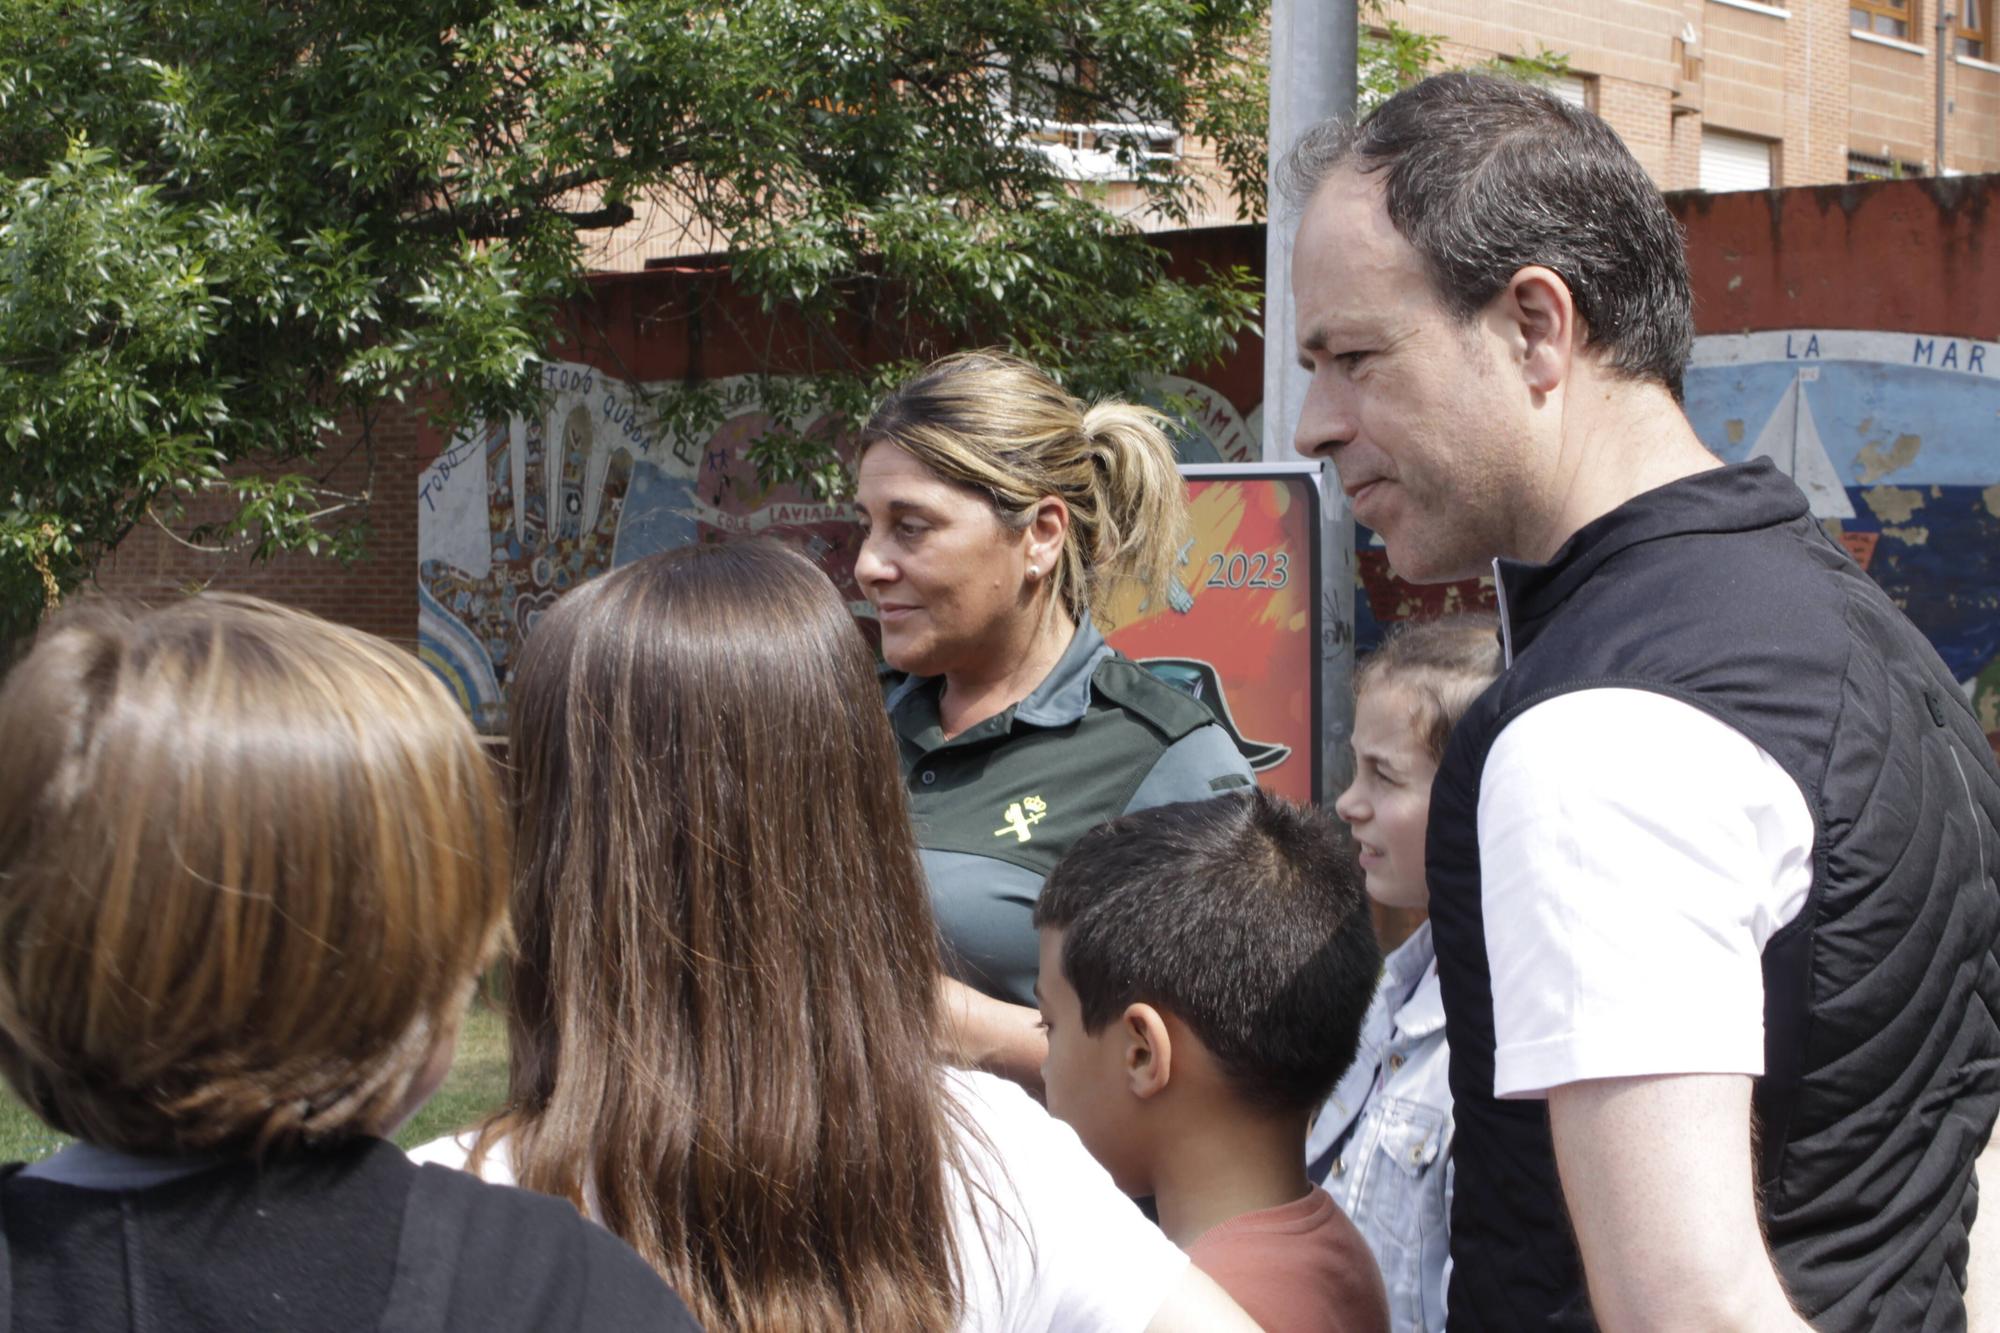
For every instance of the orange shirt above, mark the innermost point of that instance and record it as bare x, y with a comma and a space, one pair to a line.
1298, 1268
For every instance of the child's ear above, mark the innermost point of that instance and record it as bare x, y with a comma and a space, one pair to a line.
1149, 1051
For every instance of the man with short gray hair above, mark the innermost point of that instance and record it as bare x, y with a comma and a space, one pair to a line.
1713, 863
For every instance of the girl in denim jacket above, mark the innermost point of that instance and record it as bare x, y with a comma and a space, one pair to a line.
1382, 1143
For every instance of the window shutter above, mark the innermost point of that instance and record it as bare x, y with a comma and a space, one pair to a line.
1734, 162
1572, 89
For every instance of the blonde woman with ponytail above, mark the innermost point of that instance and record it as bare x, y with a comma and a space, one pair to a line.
1001, 516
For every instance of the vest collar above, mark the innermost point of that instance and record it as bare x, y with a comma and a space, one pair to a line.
1741, 497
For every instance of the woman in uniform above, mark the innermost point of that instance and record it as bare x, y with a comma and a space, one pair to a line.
1001, 516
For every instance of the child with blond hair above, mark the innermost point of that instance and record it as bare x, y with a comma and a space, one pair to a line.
1382, 1143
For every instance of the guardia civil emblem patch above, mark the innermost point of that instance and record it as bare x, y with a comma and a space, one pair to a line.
1021, 817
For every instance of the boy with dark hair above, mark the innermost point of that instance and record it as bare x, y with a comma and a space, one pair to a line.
1204, 971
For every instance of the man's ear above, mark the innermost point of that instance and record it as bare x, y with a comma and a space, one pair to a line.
1149, 1051
1545, 329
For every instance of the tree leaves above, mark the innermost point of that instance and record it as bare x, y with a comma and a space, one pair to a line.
227, 224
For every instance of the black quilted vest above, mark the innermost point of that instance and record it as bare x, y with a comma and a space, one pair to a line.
1881, 1047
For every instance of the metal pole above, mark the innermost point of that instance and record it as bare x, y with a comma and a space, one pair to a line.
1313, 51
1944, 17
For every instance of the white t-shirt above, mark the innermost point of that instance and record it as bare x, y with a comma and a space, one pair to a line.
1071, 1253
1636, 854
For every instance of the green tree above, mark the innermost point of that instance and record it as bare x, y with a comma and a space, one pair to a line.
228, 225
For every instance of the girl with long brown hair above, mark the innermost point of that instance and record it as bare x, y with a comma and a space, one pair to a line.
723, 1010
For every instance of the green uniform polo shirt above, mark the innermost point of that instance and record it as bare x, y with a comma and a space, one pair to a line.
997, 805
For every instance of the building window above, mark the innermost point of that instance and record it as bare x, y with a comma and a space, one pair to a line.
1971, 29
1734, 162
1868, 167
1106, 151
1884, 18
1572, 88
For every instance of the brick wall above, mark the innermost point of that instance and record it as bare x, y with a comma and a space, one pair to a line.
1625, 47
1642, 113
1792, 73
1972, 141
1817, 98
1891, 96
376, 593
1627, 39
1744, 70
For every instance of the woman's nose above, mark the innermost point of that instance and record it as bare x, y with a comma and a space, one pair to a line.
868, 566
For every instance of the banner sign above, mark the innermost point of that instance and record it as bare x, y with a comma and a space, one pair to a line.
1241, 629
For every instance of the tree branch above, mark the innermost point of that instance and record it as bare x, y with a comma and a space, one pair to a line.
486, 227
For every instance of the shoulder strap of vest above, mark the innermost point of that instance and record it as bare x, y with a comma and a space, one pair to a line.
434, 1224
1138, 691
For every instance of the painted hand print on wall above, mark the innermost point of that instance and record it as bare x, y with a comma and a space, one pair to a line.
551, 498
513, 515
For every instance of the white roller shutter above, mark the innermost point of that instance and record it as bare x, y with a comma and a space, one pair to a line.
1734, 162
1572, 89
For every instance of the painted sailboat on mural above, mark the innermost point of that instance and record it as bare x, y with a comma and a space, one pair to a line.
1790, 439
1895, 439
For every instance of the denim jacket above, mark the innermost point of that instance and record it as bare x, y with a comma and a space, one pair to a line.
1381, 1144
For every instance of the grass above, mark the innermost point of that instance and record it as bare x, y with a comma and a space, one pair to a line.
476, 1085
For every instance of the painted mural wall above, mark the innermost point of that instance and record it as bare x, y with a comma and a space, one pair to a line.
1894, 436
513, 515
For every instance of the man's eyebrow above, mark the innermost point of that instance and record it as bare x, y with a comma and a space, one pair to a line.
1314, 341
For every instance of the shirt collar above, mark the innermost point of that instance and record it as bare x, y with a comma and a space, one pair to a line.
1410, 972
1063, 696
89, 1166
1738, 498
1423, 1013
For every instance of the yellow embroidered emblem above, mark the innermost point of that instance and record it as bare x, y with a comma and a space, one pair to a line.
1022, 816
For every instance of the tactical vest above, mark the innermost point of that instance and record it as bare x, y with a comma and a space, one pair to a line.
1882, 1054
997, 805
1021, 793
